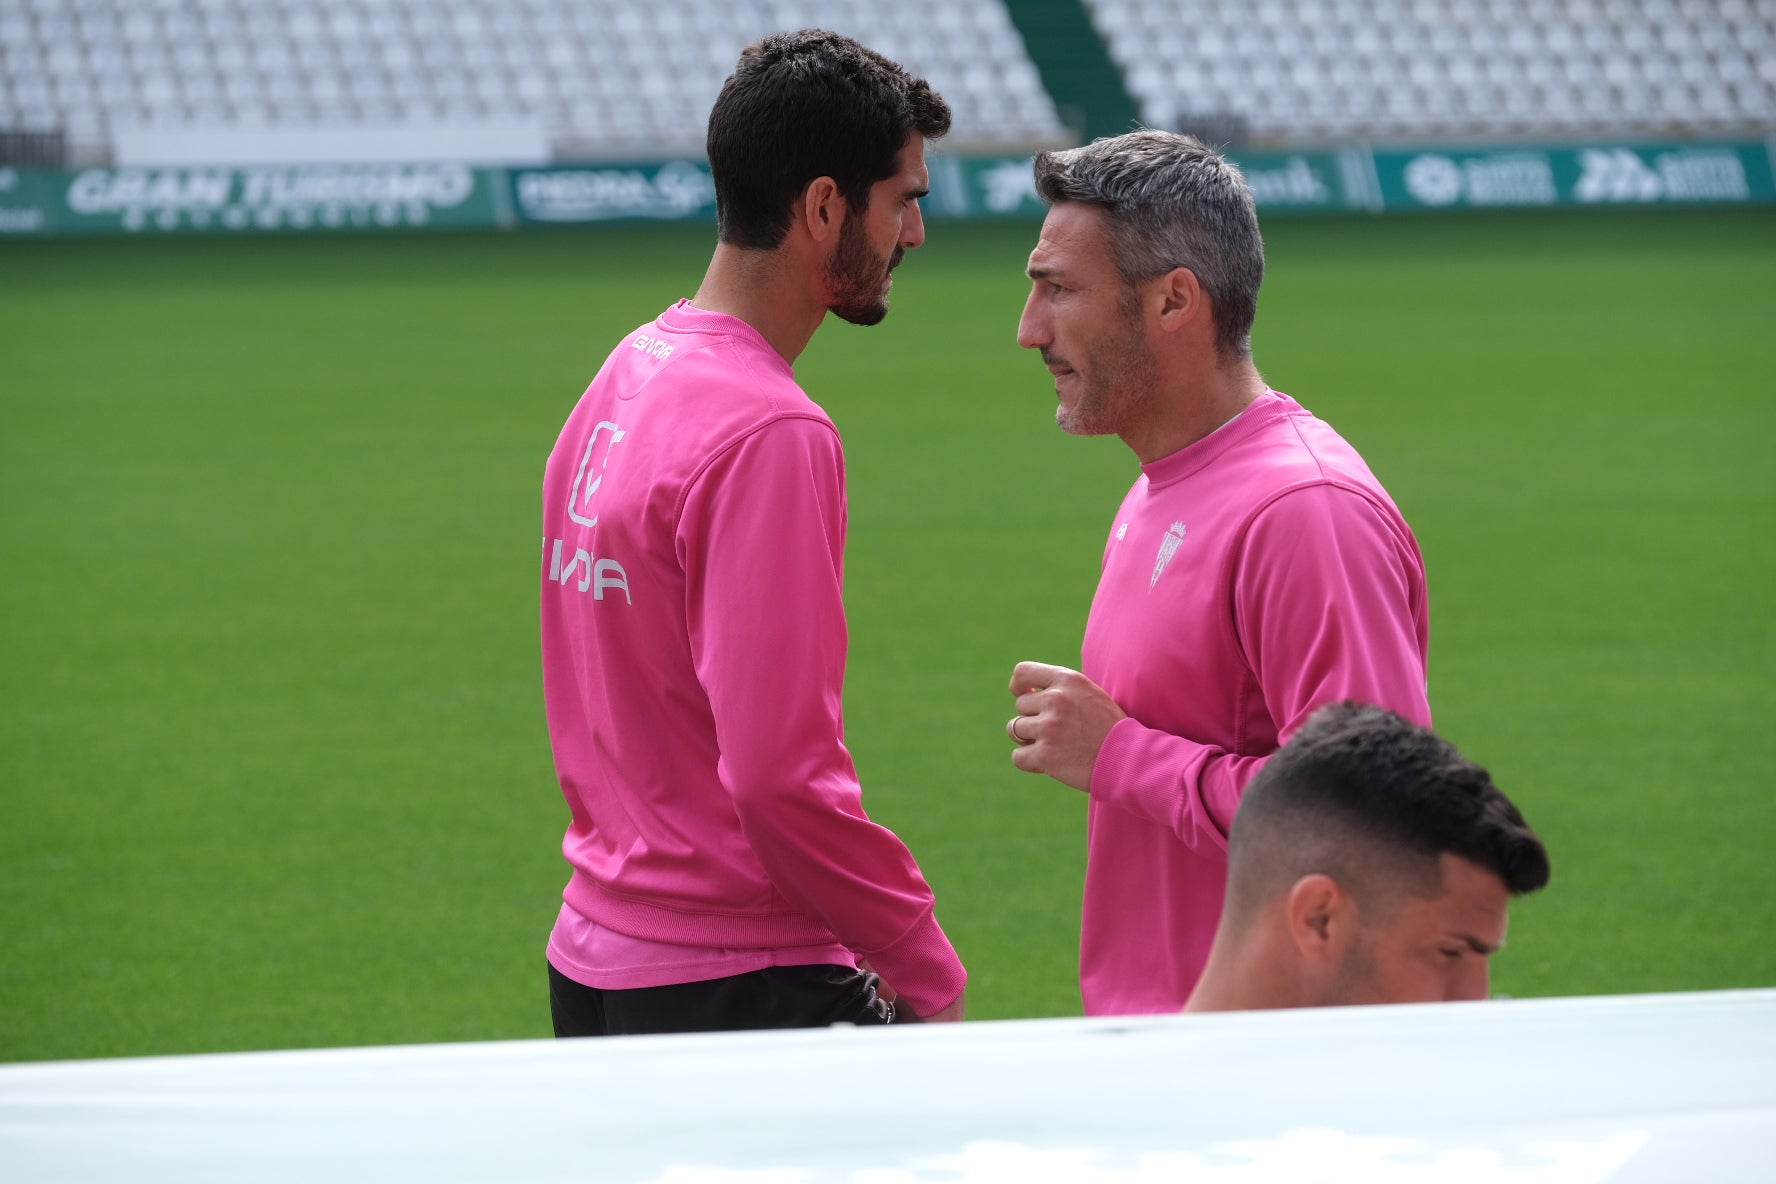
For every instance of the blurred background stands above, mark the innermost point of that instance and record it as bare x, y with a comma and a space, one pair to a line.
606, 79
614, 80
1307, 72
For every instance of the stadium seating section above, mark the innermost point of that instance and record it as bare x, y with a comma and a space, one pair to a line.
1335, 70
614, 79
605, 77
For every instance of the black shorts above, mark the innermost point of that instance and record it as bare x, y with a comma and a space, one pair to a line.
776, 997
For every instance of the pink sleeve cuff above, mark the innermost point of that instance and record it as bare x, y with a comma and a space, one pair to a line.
1188, 788
922, 966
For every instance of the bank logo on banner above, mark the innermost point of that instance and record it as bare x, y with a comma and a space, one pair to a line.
1616, 174
1292, 182
1434, 180
1009, 186
679, 189
18, 218
298, 197
1684, 174
1523, 178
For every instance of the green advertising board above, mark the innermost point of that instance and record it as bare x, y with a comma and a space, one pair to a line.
961, 187
309, 198
1306, 182
1282, 182
676, 190
259, 198
1359, 178
1594, 175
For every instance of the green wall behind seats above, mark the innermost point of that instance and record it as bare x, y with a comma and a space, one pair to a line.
1075, 66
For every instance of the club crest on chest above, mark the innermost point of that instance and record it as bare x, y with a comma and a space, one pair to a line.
1168, 547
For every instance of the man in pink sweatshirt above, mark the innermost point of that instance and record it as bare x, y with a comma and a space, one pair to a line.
1255, 571
724, 872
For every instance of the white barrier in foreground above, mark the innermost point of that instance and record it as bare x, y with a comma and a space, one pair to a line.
1618, 1089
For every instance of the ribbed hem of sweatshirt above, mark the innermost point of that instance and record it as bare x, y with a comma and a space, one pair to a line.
922, 966
657, 923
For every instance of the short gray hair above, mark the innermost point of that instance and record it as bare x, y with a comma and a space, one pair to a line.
1172, 202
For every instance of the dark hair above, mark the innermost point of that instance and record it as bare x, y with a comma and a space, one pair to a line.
1172, 202
804, 105
1359, 784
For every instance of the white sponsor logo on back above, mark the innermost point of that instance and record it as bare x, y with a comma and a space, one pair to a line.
596, 575
579, 502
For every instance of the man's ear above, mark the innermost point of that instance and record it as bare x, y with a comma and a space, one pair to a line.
1181, 299
1322, 917
822, 209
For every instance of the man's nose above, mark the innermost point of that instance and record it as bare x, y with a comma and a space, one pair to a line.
912, 228
1032, 330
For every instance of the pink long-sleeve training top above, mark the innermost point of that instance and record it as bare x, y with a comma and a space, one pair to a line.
1249, 578
694, 641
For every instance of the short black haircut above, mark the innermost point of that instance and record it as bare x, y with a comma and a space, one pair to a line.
1359, 786
804, 105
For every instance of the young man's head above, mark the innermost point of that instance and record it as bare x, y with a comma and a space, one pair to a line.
1369, 862
809, 105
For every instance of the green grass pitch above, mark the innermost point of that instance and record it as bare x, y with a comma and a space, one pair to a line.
272, 761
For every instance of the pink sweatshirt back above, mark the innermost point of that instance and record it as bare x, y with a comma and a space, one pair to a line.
1249, 578
694, 646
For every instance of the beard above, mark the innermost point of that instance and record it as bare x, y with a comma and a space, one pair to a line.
858, 276
1117, 383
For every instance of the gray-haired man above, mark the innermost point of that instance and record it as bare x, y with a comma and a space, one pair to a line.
1255, 571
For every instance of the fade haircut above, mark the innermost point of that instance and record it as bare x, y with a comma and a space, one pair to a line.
1372, 800
804, 105
1171, 202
